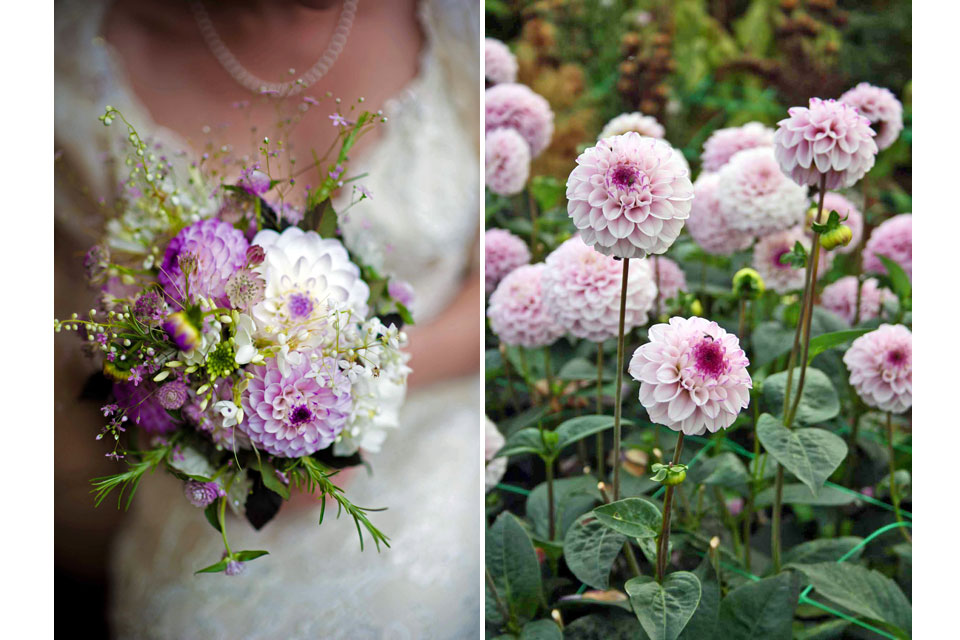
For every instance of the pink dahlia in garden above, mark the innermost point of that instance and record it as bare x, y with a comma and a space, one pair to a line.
724, 143
636, 121
507, 164
755, 197
669, 278
827, 139
581, 291
708, 224
881, 108
881, 367
517, 313
212, 250
779, 277
854, 219
516, 106
629, 195
693, 376
499, 64
892, 239
294, 415
841, 298
503, 252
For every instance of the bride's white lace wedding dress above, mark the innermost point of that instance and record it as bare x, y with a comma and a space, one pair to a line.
421, 222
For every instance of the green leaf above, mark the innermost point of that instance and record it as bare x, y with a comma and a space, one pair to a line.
192, 463
810, 454
211, 514
541, 630
800, 494
575, 429
863, 591
634, 517
272, 482
724, 470
769, 340
547, 191
664, 609
819, 401
214, 568
246, 556
898, 278
829, 630
610, 625
823, 550
572, 497
524, 441
703, 624
829, 340
512, 562
762, 609
581, 369
589, 548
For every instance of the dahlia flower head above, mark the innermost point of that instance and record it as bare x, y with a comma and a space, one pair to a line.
516, 310
495, 467
779, 277
840, 297
892, 239
507, 161
629, 195
854, 219
581, 291
669, 278
516, 106
219, 250
881, 108
828, 138
636, 121
881, 367
292, 414
756, 198
693, 376
724, 143
499, 64
503, 252
708, 224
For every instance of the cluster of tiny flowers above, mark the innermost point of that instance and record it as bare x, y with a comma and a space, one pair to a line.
724, 143
499, 64
708, 225
893, 239
881, 108
780, 277
881, 368
202, 494
518, 315
755, 197
840, 297
503, 252
637, 122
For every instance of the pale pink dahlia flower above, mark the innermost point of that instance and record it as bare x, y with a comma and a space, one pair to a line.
724, 143
892, 239
756, 198
881, 367
515, 106
636, 121
779, 277
581, 291
669, 278
707, 223
517, 313
214, 250
629, 195
294, 415
693, 376
854, 219
503, 252
507, 165
841, 298
881, 108
499, 64
827, 139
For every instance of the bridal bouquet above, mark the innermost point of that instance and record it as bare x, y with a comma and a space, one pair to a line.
248, 352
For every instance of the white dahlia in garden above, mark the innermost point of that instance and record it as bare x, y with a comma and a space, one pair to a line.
636, 121
708, 225
724, 143
516, 106
517, 313
756, 198
506, 161
881, 108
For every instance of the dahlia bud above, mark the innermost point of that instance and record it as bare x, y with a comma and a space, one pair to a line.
696, 308
747, 283
181, 330
255, 255
669, 474
841, 236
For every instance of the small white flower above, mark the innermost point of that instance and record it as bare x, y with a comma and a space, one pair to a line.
229, 411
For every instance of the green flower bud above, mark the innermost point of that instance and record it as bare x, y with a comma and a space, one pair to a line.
675, 476
696, 308
747, 283
840, 236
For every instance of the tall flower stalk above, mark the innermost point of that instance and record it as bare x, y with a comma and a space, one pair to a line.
618, 404
663, 542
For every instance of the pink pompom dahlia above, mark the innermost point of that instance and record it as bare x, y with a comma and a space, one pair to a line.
581, 291
693, 376
669, 278
708, 224
881, 108
503, 252
636, 121
756, 198
881, 367
499, 64
724, 143
212, 250
779, 277
827, 139
854, 219
841, 298
892, 239
507, 161
515, 106
517, 313
299, 413
629, 196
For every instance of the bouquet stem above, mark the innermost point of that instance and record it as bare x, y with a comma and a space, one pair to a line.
619, 390
663, 542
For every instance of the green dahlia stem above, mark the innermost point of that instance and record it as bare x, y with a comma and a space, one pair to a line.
549, 373
894, 494
551, 517
619, 390
663, 542
601, 466
535, 249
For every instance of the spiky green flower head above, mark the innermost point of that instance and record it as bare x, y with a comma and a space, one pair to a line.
221, 360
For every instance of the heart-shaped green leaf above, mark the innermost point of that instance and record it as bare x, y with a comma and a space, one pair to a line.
800, 494
819, 401
513, 565
590, 547
703, 623
823, 550
762, 609
575, 429
810, 454
634, 517
541, 630
664, 609
524, 441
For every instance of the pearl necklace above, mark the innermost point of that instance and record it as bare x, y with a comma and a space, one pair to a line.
279, 89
